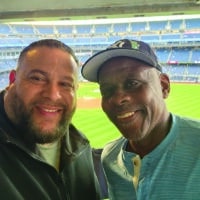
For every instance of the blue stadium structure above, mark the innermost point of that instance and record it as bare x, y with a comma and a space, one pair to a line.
176, 41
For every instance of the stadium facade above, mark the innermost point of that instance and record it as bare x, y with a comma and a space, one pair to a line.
176, 40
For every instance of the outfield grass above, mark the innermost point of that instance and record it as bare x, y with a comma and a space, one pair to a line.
184, 99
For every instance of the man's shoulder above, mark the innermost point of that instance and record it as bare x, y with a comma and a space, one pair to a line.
113, 146
187, 123
117, 142
187, 130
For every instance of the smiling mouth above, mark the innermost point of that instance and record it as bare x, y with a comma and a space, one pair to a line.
126, 115
50, 110
45, 109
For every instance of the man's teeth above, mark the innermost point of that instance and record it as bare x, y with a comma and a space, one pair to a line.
125, 115
50, 110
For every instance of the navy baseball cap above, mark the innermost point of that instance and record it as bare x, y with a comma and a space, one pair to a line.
129, 48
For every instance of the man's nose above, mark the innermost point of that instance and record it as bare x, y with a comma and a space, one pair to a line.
121, 97
52, 91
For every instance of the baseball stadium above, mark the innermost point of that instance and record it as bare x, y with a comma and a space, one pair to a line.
174, 35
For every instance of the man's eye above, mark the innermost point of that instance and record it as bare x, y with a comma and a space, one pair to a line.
132, 84
67, 85
36, 78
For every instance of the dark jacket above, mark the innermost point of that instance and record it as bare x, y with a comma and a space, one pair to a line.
25, 176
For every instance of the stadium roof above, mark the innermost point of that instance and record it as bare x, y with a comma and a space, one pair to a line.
24, 10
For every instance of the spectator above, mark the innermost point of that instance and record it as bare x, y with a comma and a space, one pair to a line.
42, 155
157, 156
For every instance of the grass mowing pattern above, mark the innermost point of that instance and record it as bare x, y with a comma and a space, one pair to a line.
184, 99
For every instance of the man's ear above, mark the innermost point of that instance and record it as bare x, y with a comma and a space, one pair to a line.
12, 76
165, 83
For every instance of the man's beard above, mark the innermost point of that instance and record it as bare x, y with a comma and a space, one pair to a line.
33, 133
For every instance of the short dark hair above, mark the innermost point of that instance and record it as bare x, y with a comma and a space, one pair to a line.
51, 43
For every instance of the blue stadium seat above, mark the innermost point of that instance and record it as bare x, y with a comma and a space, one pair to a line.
195, 58
44, 29
192, 23
157, 25
83, 29
138, 26
98, 39
171, 37
23, 29
163, 54
121, 28
150, 38
61, 29
181, 55
175, 24
5, 29
4, 80
102, 28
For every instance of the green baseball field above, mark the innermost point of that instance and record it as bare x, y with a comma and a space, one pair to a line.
184, 99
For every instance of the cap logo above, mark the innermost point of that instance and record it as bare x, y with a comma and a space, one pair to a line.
126, 44
135, 45
118, 44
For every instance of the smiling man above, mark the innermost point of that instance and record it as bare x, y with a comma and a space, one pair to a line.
157, 156
42, 155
